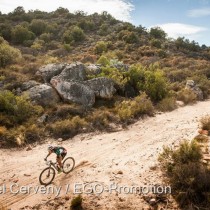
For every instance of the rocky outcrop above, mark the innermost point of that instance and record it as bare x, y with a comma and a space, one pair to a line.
27, 85
190, 85
50, 70
93, 69
72, 72
74, 91
43, 95
102, 87
70, 83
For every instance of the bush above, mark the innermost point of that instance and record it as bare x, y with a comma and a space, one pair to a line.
103, 60
167, 104
76, 34
155, 85
8, 54
101, 119
187, 96
205, 123
136, 107
67, 128
38, 26
21, 34
16, 109
100, 47
189, 178
76, 202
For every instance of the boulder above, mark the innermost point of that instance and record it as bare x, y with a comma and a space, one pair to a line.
74, 91
50, 70
102, 87
43, 95
72, 72
93, 69
27, 85
190, 85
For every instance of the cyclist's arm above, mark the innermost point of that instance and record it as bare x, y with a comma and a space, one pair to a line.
48, 155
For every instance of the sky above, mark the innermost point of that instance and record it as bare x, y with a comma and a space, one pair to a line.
185, 18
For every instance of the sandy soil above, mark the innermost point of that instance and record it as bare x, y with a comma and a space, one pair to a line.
126, 158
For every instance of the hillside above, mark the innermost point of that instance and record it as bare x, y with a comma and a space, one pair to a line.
140, 66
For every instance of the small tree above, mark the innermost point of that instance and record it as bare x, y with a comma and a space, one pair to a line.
8, 54
38, 27
75, 34
21, 34
157, 33
100, 47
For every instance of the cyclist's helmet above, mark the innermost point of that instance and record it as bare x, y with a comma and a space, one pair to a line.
50, 147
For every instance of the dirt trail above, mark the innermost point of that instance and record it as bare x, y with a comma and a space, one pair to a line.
125, 157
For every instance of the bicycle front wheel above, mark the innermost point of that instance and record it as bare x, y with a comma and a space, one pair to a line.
68, 165
47, 175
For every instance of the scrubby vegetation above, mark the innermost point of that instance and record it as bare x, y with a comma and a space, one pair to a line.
76, 203
188, 175
148, 68
205, 123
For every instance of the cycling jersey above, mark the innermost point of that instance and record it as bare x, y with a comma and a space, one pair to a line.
59, 150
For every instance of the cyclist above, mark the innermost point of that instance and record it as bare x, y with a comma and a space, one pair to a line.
60, 152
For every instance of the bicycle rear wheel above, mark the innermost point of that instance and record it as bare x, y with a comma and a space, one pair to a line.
47, 175
68, 165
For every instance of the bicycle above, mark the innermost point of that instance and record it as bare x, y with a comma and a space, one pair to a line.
48, 174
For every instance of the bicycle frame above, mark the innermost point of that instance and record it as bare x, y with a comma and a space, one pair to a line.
51, 164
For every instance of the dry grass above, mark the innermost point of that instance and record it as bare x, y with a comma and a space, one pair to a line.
205, 123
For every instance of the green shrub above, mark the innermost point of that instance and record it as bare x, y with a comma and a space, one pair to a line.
38, 26
8, 54
16, 109
76, 34
136, 107
103, 60
157, 33
189, 178
76, 202
167, 104
100, 47
155, 85
187, 96
21, 34
156, 43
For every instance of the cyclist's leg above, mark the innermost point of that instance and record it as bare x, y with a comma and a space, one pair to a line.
59, 161
63, 155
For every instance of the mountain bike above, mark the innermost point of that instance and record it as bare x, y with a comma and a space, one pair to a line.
48, 174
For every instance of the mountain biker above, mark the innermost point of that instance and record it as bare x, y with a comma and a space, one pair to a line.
60, 152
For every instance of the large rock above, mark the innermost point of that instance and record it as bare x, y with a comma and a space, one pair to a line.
93, 69
102, 87
50, 70
27, 85
72, 72
190, 85
74, 91
43, 95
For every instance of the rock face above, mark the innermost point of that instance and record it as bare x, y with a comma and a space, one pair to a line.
29, 84
70, 83
43, 95
74, 92
190, 85
50, 70
93, 69
72, 72
102, 87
